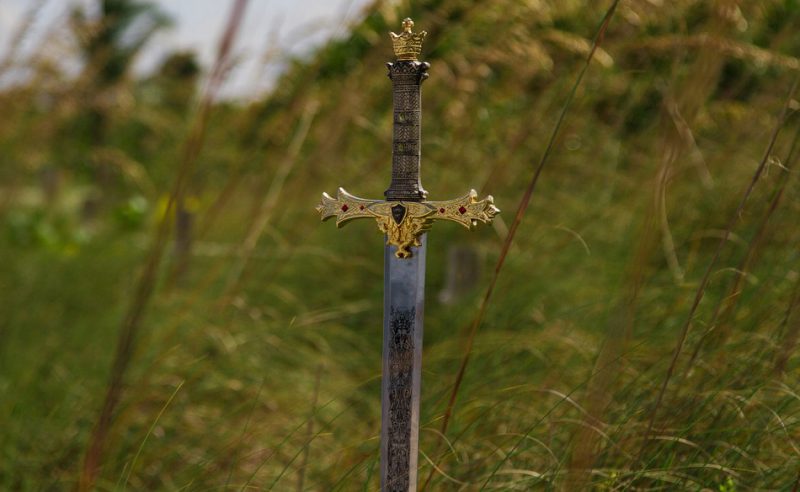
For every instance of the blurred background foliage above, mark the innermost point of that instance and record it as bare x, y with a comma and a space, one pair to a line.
242, 338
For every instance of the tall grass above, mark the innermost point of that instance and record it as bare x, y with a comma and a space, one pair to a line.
141, 298
642, 335
521, 208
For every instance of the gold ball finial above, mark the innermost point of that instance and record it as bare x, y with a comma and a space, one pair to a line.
407, 44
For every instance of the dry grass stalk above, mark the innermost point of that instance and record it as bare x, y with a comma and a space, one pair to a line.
721, 45
521, 208
301, 474
131, 323
608, 366
791, 336
733, 220
262, 218
719, 326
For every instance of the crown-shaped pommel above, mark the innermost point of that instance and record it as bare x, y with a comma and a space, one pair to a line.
407, 44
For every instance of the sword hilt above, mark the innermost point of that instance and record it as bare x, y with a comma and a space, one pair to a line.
407, 75
406, 215
404, 222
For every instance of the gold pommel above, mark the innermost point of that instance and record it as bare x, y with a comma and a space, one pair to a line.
407, 44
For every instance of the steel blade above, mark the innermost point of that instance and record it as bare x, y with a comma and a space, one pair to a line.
404, 296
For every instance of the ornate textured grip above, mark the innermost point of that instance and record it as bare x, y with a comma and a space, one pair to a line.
407, 75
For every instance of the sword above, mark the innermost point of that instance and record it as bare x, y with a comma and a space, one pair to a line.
404, 217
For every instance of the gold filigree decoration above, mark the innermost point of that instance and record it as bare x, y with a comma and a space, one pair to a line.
403, 223
466, 210
345, 207
405, 234
407, 45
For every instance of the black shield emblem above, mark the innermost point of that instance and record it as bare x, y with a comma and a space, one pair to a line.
398, 213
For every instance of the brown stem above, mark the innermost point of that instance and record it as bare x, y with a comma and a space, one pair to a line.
131, 323
521, 208
791, 336
725, 306
309, 431
704, 281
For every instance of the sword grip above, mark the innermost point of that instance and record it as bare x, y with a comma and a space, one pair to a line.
407, 78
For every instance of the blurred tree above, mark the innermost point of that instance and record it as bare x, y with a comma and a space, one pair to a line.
176, 81
109, 42
176, 84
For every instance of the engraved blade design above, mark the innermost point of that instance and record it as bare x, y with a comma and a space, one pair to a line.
404, 294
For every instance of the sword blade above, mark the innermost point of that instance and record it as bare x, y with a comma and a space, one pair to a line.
404, 296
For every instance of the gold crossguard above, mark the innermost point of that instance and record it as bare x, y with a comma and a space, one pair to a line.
404, 222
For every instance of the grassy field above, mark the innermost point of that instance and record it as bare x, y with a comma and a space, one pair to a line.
173, 316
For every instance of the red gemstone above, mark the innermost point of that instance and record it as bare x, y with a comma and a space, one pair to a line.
344, 207
462, 209
441, 210
361, 207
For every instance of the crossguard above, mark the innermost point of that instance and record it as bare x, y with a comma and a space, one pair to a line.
404, 222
